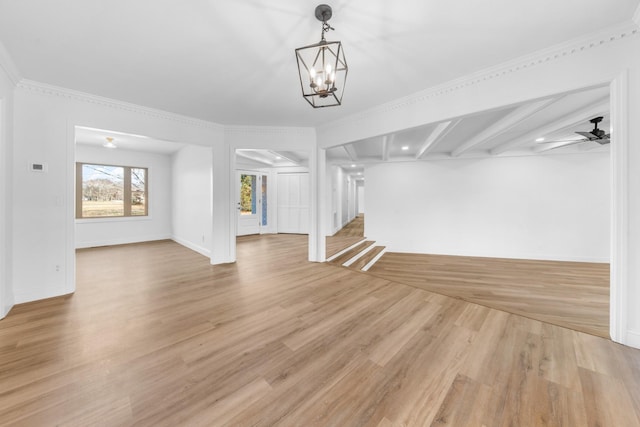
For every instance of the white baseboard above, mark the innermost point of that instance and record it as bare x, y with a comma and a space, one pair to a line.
632, 339
539, 257
197, 248
21, 298
121, 241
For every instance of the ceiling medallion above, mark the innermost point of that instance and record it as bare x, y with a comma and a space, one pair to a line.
322, 67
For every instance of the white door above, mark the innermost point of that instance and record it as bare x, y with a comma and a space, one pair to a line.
293, 203
251, 202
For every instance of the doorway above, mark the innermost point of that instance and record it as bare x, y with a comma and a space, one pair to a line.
251, 202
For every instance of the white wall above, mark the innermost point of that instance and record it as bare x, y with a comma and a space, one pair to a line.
6, 179
360, 190
43, 226
334, 177
224, 164
341, 198
191, 207
536, 207
607, 57
115, 231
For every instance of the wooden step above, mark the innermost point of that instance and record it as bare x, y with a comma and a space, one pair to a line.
366, 258
352, 252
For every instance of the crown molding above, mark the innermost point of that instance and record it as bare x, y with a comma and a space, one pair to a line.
610, 34
56, 91
8, 66
266, 130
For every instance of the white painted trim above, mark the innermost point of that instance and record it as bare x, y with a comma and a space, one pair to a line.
233, 211
334, 256
5, 305
46, 89
44, 293
374, 260
619, 276
8, 66
196, 248
633, 339
317, 205
610, 34
524, 256
70, 211
126, 241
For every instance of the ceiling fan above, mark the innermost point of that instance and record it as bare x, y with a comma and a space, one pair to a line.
596, 135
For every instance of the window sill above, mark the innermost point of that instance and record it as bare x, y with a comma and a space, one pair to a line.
112, 219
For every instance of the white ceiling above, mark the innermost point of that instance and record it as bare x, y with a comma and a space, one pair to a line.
233, 63
124, 141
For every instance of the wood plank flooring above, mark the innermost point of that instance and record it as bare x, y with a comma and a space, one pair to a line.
348, 235
570, 294
156, 336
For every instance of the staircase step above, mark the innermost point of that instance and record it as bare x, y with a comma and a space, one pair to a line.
352, 252
366, 258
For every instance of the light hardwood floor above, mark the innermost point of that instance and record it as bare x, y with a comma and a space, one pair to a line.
348, 235
155, 336
570, 294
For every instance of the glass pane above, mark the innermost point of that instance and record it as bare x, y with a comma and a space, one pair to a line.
138, 193
102, 191
247, 194
264, 200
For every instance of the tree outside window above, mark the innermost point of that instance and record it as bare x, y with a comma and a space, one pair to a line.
110, 191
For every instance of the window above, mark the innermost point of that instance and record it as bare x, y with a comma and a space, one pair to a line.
104, 191
247, 194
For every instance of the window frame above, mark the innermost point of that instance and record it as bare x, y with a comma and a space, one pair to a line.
126, 193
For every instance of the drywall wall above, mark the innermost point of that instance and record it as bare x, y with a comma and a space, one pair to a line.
536, 207
360, 190
191, 206
115, 231
43, 226
224, 162
606, 57
6, 179
341, 199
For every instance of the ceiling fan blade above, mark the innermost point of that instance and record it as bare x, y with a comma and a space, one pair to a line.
587, 135
563, 140
564, 145
603, 141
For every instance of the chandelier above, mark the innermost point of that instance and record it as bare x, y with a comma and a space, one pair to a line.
322, 67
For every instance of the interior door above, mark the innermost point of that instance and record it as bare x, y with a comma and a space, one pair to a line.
293, 203
250, 192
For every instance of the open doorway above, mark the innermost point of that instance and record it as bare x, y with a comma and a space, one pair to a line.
272, 191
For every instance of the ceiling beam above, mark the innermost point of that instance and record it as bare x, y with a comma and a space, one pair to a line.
247, 155
436, 136
387, 141
503, 125
351, 152
568, 120
287, 156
